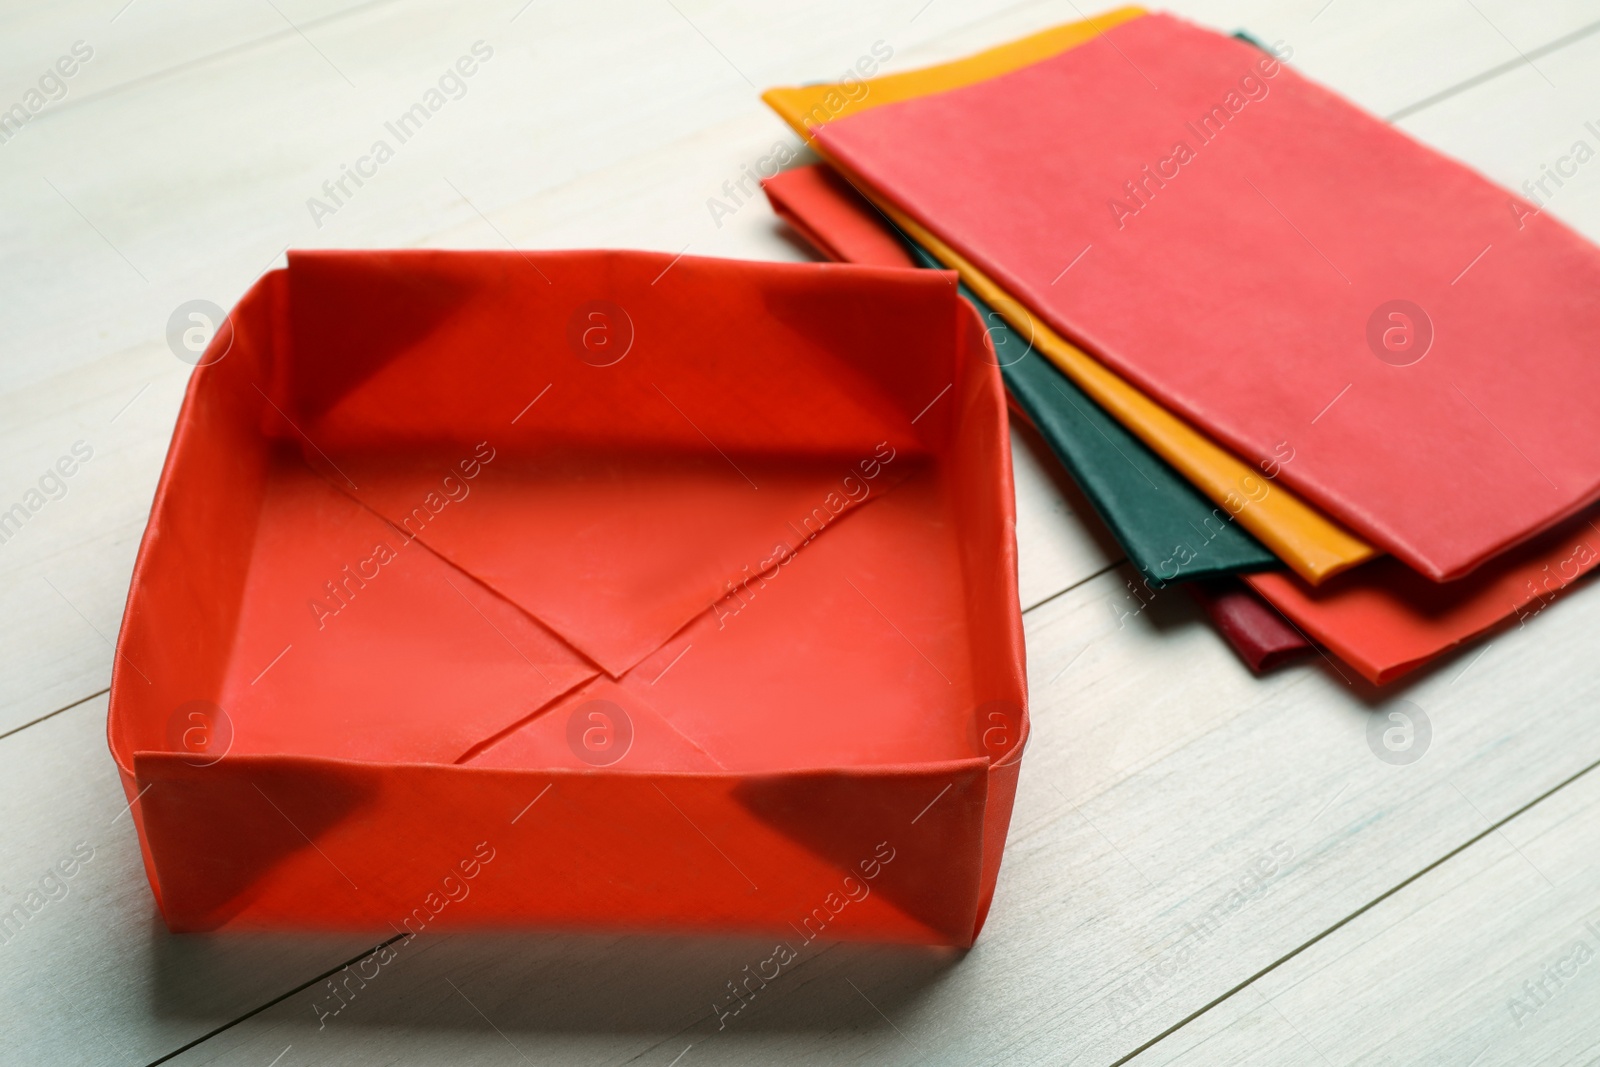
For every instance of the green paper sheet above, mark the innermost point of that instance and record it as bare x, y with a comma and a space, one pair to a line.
1170, 531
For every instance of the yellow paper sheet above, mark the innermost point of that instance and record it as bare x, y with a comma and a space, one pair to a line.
1314, 546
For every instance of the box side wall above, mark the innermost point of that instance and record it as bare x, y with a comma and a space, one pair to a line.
890, 855
188, 580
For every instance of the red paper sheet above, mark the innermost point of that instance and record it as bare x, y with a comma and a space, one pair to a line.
823, 208
837, 221
1385, 620
1244, 238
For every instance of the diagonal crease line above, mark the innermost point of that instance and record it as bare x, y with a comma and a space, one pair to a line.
497, 630
407, 538
501, 734
1509, 441
1353, 916
702, 833
897, 630
274, 259
1494, 72
851, 507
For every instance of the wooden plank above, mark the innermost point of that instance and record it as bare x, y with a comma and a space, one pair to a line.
1488, 959
163, 188
66, 558
90, 976
1456, 946
1060, 539
1141, 810
188, 184
1148, 792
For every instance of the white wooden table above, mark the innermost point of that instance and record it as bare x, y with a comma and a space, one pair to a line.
1203, 867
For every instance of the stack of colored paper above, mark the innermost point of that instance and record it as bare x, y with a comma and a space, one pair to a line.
1270, 335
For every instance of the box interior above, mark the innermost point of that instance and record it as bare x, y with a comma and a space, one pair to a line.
422, 511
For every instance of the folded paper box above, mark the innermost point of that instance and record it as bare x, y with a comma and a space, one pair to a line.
587, 589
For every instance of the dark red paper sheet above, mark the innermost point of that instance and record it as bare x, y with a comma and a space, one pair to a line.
416, 526
1261, 636
1244, 235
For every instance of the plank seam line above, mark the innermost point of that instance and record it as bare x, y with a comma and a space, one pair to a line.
302, 987
53, 714
1368, 906
1085, 580
1526, 59
200, 61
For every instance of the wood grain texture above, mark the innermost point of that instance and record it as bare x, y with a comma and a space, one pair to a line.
1181, 827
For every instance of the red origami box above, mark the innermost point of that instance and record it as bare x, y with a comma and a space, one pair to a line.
584, 589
